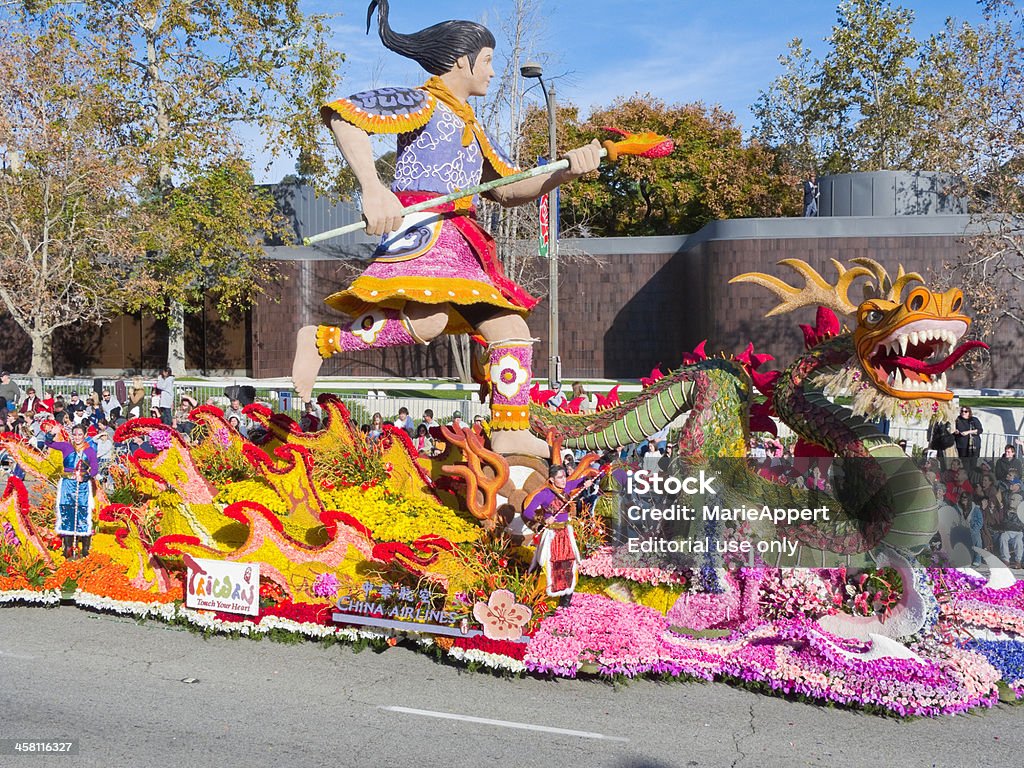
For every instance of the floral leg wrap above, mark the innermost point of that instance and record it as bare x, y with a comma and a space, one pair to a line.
511, 367
376, 329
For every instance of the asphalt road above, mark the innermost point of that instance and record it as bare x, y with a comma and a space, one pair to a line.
118, 688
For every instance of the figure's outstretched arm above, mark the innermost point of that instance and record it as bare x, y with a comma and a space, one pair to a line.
582, 160
381, 208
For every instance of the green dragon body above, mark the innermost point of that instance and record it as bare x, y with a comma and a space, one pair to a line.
882, 497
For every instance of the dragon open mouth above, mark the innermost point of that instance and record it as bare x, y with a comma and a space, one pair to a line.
915, 357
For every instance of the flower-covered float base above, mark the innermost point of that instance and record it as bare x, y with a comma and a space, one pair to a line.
368, 543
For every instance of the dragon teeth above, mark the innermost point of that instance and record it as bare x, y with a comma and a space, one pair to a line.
945, 342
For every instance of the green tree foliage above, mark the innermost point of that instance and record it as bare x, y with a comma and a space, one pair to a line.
713, 173
869, 89
788, 114
186, 75
69, 220
858, 108
976, 133
952, 102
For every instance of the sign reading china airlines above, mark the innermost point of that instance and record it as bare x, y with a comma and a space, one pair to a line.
217, 585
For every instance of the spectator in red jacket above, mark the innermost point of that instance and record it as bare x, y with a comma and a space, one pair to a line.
31, 405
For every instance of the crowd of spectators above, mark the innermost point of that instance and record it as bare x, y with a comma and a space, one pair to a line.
985, 500
39, 421
774, 460
425, 436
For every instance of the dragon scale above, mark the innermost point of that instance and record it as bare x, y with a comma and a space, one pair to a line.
883, 491
884, 498
716, 392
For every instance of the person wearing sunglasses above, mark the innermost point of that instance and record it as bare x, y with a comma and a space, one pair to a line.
967, 433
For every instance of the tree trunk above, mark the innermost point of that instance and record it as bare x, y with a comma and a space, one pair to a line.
42, 356
176, 338
460, 347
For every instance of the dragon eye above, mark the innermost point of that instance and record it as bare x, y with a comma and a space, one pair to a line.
917, 299
872, 317
957, 303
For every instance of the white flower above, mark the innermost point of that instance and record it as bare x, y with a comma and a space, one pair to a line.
45, 597
508, 376
492, 660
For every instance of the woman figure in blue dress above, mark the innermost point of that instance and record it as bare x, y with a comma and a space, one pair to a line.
75, 497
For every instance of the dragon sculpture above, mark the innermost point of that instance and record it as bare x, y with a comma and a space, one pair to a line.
893, 358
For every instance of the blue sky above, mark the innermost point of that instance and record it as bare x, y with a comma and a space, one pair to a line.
678, 50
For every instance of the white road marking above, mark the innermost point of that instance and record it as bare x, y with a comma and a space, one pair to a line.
503, 723
9, 655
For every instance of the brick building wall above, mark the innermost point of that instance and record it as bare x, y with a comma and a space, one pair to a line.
648, 300
639, 303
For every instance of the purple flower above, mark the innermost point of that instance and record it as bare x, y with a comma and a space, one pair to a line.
326, 585
161, 439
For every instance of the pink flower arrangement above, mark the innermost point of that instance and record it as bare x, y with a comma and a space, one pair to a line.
222, 436
160, 439
997, 609
615, 638
603, 563
797, 592
792, 656
326, 585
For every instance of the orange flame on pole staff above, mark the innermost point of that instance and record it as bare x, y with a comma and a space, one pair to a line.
646, 144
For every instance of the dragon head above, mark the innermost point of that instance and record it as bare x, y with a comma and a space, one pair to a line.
904, 346
907, 347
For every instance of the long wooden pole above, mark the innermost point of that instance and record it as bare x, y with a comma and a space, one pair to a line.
458, 194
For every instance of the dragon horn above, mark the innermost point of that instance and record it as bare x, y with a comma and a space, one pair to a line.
902, 281
886, 288
816, 291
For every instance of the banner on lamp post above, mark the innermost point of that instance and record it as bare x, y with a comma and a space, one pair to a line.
544, 246
547, 211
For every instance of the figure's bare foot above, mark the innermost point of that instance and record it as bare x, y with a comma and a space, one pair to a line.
307, 362
519, 441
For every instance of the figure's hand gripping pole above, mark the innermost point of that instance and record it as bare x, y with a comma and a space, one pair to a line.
639, 144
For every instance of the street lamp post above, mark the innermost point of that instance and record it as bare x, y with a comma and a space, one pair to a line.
533, 70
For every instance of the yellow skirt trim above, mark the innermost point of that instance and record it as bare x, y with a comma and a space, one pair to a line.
367, 292
510, 417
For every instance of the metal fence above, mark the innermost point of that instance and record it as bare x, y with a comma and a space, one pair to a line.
992, 443
280, 399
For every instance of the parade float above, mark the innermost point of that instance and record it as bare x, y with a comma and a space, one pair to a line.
485, 555
332, 537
